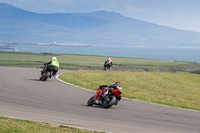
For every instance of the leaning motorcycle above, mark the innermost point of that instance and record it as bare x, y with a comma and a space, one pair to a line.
46, 74
109, 98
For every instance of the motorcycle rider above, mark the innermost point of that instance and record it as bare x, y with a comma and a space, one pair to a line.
53, 63
99, 94
108, 62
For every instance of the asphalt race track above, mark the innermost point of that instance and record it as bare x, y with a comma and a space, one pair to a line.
22, 95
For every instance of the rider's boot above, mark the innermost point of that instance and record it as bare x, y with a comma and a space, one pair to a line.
116, 102
100, 100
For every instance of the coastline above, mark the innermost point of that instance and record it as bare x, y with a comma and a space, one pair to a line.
188, 54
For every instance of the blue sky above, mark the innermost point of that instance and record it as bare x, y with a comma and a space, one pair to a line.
180, 14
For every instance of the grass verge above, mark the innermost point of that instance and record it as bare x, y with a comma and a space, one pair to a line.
173, 89
11, 125
75, 62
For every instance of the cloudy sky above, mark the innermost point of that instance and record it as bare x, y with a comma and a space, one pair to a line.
180, 14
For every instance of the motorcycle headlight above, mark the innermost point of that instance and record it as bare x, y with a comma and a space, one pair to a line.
119, 88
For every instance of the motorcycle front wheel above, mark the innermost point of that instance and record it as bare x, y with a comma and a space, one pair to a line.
91, 101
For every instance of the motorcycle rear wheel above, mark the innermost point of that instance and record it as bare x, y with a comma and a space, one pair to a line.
45, 76
110, 103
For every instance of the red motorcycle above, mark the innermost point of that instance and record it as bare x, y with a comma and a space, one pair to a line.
107, 99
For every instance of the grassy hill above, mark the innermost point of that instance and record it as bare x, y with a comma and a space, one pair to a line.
95, 28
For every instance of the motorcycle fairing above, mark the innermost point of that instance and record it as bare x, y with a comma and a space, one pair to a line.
117, 92
98, 92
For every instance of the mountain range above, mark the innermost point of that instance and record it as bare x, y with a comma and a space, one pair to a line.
96, 28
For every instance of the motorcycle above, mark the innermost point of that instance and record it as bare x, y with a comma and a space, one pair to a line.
107, 67
46, 74
109, 98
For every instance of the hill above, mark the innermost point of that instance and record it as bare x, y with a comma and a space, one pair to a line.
95, 28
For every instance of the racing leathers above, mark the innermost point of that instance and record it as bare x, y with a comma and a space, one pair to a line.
108, 63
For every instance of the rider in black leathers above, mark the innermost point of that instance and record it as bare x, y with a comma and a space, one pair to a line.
108, 62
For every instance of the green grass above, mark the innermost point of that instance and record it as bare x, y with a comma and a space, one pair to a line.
173, 89
75, 62
11, 125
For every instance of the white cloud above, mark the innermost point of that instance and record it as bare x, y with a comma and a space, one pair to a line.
132, 9
60, 1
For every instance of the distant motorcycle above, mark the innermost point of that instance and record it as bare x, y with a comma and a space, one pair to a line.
108, 99
107, 67
46, 74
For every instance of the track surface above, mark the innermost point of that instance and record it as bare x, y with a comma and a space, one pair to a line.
22, 95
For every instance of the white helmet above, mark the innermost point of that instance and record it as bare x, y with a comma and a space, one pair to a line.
109, 58
54, 58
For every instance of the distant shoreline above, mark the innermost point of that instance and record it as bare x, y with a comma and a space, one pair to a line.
10, 46
188, 54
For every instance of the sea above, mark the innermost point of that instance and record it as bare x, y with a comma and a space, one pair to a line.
154, 53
